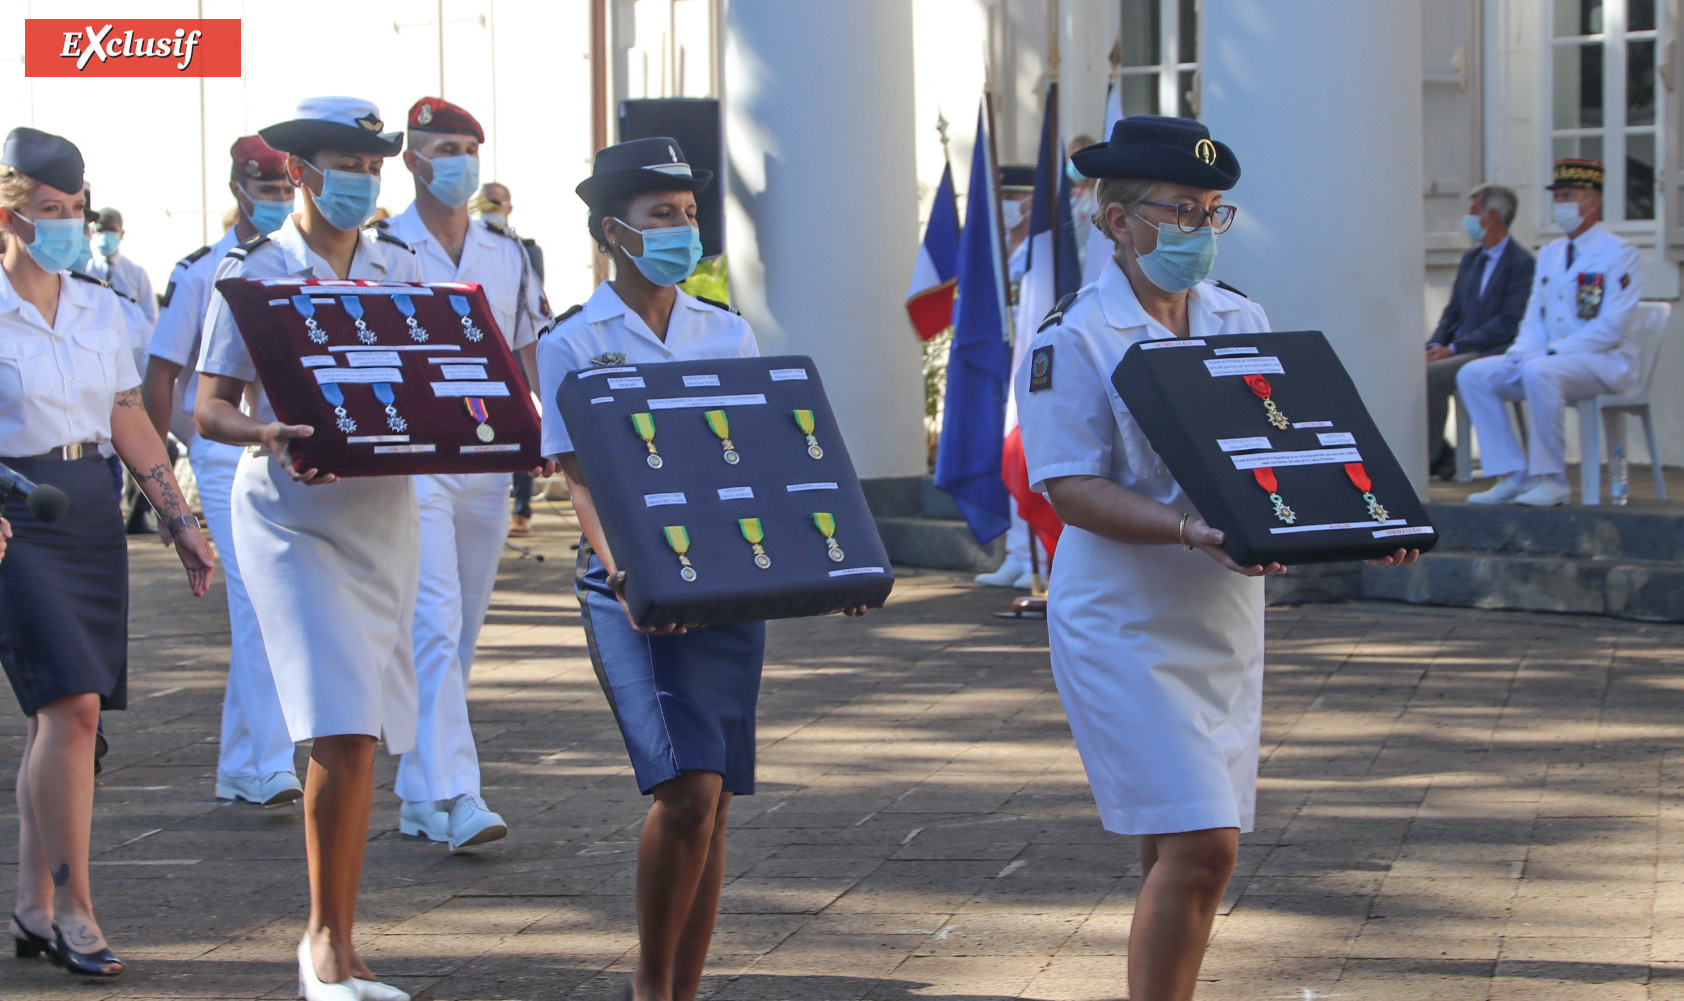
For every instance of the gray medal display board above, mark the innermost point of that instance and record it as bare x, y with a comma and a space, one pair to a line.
1214, 431
779, 477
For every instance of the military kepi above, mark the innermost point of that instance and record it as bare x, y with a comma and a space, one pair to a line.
1578, 173
640, 165
1157, 148
350, 124
435, 114
53, 160
257, 160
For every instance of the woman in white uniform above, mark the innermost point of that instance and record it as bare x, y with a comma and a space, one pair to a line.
331, 566
68, 386
1156, 634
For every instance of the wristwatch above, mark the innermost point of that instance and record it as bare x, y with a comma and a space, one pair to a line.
181, 522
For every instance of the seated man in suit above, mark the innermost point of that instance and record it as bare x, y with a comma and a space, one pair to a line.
1484, 311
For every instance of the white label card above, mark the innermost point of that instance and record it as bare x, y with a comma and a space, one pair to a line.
1337, 438
470, 389
628, 382
473, 449
662, 500
403, 449
463, 372
1307, 457
374, 359
1221, 352
1335, 526
371, 439
358, 348
1242, 444
1412, 530
736, 493
706, 402
1173, 342
359, 375
788, 374
796, 488
587, 373
851, 571
1261, 365
458, 361
692, 381
602, 399
318, 361
1312, 424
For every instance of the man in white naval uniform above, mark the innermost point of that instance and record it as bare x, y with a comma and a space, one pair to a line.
1572, 344
464, 517
118, 271
255, 761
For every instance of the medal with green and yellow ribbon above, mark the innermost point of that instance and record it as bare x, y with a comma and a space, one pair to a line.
804, 421
752, 532
721, 426
678, 537
827, 525
644, 425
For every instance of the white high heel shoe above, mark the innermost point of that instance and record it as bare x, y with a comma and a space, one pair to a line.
374, 990
312, 988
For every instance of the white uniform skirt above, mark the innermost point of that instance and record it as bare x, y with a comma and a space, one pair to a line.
332, 573
1158, 655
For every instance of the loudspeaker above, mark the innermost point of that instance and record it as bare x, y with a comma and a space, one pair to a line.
694, 122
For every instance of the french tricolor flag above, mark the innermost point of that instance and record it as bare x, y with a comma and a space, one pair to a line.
929, 299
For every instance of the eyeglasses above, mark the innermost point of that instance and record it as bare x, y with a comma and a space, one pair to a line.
1191, 216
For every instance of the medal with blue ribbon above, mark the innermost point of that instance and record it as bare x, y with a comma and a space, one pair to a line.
754, 535
678, 537
383, 392
307, 309
335, 394
354, 305
476, 409
460, 304
721, 426
406, 306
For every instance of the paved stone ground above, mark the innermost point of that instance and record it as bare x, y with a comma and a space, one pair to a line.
1455, 805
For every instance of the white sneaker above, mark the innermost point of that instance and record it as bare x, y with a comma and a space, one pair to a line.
424, 820
473, 823
1006, 576
1545, 493
1505, 492
264, 790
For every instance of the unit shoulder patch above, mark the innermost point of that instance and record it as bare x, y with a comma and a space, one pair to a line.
1041, 369
1625, 282
169, 293
1054, 315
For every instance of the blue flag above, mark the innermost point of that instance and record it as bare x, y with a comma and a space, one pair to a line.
979, 365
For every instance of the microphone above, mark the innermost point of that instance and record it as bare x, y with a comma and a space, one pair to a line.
46, 502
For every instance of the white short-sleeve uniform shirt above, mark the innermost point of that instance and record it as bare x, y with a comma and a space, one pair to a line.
175, 337
604, 333
1158, 652
497, 262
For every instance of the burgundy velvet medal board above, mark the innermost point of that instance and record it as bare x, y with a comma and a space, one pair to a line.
1268, 437
397, 378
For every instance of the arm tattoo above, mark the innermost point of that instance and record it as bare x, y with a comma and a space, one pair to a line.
167, 499
130, 398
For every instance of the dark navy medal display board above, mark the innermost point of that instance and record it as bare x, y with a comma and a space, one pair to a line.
656, 455
1268, 437
397, 378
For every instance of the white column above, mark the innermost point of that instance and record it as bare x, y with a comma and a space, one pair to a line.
822, 207
1321, 102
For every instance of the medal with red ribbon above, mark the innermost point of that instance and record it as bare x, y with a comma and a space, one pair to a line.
1265, 477
1360, 480
476, 410
1261, 388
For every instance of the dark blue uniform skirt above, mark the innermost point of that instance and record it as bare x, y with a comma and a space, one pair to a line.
684, 703
64, 591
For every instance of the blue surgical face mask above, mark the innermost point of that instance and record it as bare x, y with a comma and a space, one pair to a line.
455, 179
498, 219
1568, 216
85, 258
1180, 260
347, 199
267, 216
1071, 172
670, 253
105, 242
1471, 226
58, 242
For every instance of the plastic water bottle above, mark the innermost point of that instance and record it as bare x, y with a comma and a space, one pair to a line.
1617, 475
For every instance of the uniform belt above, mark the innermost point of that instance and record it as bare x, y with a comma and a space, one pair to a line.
67, 453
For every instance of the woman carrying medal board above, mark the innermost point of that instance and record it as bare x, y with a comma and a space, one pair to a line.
1156, 633
685, 701
332, 566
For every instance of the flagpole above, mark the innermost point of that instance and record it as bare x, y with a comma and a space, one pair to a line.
999, 213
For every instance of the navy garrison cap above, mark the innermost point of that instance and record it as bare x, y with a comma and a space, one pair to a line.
1017, 177
53, 160
1157, 148
639, 165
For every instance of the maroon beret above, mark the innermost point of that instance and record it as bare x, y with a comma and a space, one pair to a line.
435, 114
257, 160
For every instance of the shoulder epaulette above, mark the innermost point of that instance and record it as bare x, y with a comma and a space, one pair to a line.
566, 315
239, 253
1224, 286
102, 283
377, 224
500, 231
716, 304
1056, 313
385, 237
194, 256
569, 312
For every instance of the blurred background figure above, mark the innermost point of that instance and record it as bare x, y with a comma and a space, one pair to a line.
110, 264
492, 205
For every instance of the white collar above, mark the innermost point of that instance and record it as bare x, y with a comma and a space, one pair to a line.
300, 258
1122, 307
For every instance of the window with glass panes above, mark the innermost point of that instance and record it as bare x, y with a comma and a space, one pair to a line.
1160, 50
1604, 97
